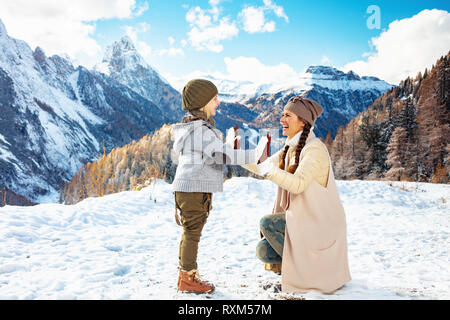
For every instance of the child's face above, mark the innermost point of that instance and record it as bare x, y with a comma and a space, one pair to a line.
212, 106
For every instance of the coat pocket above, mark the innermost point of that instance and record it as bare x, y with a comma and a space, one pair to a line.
327, 247
317, 240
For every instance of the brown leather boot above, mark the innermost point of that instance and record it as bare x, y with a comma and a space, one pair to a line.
190, 282
275, 267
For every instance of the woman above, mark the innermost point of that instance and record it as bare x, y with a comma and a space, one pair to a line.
202, 155
306, 233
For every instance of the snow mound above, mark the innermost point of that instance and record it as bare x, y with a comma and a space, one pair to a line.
125, 245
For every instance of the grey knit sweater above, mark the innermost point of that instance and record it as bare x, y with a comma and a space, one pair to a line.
201, 157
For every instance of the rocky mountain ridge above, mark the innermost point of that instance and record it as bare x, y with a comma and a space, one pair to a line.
55, 117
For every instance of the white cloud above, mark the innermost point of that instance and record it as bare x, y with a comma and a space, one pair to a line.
178, 82
407, 47
254, 18
278, 10
242, 69
209, 38
143, 27
141, 9
198, 17
132, 32
171, 52
63, 26
215, 10
143, 48
325, 61
208, 30
251, 69
214, 3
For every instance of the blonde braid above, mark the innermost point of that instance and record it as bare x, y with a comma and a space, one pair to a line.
281, 164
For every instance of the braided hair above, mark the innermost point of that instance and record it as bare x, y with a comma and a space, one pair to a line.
298, 149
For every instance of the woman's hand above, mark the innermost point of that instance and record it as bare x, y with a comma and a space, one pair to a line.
263, 149
233, 138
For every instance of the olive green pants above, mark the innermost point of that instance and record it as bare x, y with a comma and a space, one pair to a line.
194, 210
270, 249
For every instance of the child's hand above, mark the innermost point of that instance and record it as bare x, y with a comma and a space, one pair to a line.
265, 168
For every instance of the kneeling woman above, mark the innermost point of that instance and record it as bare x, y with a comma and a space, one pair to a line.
306, 232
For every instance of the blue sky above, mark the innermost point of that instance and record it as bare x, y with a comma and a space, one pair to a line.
179, 38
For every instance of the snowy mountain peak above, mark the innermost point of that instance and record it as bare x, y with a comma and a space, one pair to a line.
126, 44
331, 73
3, 32
122, 55
54, 118
315, 76
123, 63
39, 54
119, 48
352, 76
321, 70
39, 51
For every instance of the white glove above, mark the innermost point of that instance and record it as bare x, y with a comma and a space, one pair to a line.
231, 136
261, 148
229, 139
264, 168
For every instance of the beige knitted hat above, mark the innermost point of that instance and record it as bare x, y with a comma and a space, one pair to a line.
197, 93
305, 108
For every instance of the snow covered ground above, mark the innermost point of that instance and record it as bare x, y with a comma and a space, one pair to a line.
125, 246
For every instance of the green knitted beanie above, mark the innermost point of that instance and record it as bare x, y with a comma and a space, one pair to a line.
197, 93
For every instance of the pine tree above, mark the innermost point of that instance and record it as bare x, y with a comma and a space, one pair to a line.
328, 142
396, 157
376, 137
408, 120
336, 154
440, 174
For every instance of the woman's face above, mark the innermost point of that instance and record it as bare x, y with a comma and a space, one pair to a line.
291, 124
212, 105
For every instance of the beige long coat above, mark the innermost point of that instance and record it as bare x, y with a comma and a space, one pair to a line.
315, 245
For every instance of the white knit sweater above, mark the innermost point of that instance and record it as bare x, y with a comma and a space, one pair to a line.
202, 155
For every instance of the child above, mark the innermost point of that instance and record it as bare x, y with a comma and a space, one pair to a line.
202, 155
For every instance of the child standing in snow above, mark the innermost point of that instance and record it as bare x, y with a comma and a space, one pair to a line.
202, 155
305, 237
